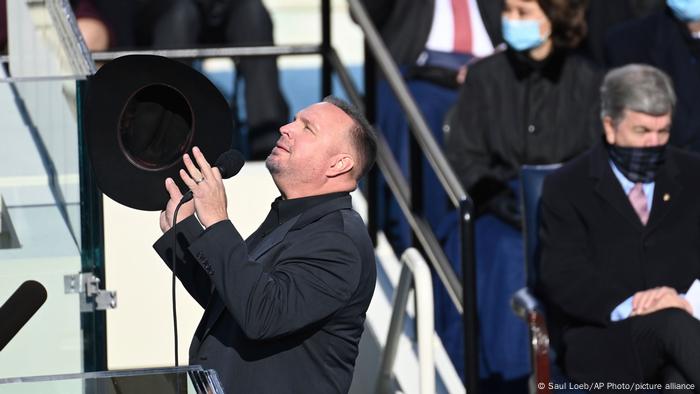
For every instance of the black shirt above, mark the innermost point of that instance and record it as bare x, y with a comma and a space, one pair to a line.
282, 210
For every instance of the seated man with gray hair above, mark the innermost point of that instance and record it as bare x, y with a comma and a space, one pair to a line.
621, 246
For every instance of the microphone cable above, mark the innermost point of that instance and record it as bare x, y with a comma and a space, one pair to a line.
229, 163
173, 287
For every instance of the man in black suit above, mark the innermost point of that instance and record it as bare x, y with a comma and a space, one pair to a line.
620, 236
284, 309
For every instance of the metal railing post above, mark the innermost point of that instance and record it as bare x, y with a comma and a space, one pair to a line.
415, 274
416, 178
373, 185
326, 67
471, 327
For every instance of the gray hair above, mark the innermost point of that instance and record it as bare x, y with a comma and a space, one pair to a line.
636, 87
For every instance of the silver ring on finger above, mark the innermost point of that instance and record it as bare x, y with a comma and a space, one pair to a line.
198, 181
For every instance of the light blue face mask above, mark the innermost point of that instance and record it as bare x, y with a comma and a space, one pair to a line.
522, 34
685, 10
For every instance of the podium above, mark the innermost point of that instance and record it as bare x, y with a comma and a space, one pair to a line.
178, 380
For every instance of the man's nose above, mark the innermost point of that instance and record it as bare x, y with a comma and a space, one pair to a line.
653, 139
286, 129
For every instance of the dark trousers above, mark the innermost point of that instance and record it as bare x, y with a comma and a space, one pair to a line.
665, 346
668, 347
187, 23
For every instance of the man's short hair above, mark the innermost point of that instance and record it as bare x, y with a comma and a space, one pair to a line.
361, 135
636, 87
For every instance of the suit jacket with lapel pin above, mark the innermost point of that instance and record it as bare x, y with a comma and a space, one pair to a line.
596, 253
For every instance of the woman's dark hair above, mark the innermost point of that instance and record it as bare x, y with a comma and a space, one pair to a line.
568, 19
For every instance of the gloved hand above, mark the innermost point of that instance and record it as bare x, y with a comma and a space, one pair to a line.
506, 207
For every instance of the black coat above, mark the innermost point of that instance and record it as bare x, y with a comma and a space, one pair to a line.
596, 254
513, 111
405, 24
602, 15
286, 315
664, 42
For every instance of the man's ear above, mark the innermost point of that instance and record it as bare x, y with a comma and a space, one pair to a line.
340, 164
609, 128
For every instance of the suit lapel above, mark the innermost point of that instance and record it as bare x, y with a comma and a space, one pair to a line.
666, 189
272, 239
609, 188
491, 11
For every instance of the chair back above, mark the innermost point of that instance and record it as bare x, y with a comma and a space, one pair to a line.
531, 180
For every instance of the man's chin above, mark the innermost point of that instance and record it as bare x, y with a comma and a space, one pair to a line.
272, 165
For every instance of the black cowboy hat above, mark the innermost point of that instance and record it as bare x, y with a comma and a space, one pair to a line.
141, 114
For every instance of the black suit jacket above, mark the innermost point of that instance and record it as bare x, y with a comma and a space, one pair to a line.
287, 315
596, 253
405, 24
664, 42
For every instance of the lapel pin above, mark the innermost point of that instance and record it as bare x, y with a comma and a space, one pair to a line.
667, 197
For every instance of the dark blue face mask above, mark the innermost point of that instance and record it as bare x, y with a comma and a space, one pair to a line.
638, 164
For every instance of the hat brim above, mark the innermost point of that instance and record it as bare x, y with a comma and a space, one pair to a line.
108, 92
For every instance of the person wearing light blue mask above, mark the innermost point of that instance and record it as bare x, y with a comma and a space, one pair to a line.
522, 34
685, 10
533, 103
527, 28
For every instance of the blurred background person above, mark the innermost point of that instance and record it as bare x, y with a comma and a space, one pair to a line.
670, 40
178, 24
604, 15
432, 42
535, 103
95, 30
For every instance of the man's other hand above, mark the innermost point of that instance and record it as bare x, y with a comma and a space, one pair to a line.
207, 188
166, 216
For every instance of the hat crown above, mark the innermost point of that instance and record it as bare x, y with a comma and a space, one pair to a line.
156, 127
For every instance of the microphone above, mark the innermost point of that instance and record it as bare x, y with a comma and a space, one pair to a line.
229, 164
19, 308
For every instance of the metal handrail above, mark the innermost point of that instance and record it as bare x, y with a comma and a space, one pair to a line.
459, 198
397, 183
415, 274
421, 130
226, 51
